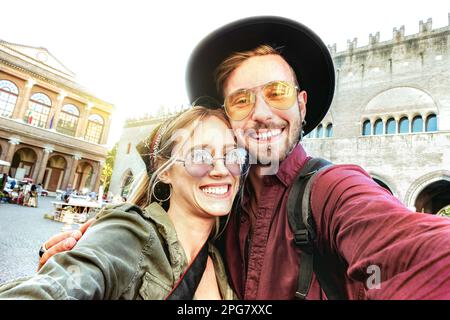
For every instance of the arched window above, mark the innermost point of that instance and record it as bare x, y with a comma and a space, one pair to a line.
391, 126
329, 131
311, 134
68, 120
417, 124
366, 128
126, 184
378, 127
38, 110
403, 125
94, 129
319, 131
431, 123
8, 98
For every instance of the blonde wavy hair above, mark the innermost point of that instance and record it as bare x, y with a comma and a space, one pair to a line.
149, 183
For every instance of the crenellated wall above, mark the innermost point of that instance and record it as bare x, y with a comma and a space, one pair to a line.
402, 78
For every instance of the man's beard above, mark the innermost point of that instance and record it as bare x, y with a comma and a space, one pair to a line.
270, 155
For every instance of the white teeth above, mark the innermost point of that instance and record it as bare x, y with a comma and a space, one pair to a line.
267, 134
215, 190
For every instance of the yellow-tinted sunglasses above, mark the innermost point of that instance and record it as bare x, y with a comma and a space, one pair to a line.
277, 94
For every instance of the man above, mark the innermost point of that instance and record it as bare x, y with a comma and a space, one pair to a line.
271, 74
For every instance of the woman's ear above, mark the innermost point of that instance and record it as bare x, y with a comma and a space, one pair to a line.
165, 177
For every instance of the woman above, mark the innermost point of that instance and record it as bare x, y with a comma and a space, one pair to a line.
33, 200
163, 251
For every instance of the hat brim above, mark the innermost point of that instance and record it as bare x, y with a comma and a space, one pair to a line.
300, 47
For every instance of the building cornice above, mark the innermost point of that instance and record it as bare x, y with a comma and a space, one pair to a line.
46, 76
45, 137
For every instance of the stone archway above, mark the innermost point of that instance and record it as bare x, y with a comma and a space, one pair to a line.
54, 172
385, 183
421, 184
399, 98
23, 163
382, 184
433, 197
83, 176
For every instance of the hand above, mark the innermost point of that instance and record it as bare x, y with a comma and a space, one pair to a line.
63, 241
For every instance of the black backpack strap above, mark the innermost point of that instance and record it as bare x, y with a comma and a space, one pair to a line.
303, 226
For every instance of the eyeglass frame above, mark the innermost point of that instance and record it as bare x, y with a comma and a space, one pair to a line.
213, 159
296, 87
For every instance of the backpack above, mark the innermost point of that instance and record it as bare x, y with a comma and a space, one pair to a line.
302, 224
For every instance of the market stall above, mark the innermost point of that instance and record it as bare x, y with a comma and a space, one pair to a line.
76, 210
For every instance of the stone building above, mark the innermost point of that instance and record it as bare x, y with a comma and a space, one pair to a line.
128, 164
52, 130
390, 114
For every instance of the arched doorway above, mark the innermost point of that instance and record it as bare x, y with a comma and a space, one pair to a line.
83, 177
382, 184
433, 197
54, 173
23, 163
125, 185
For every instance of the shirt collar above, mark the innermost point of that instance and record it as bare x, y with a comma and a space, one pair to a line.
291, 166
287, 171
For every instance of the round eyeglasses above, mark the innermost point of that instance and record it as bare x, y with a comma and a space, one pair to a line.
200, 162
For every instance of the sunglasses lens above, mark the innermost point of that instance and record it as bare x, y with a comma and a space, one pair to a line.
239, 104
198, 170
280, 94
198, 163
277, 94
235, 161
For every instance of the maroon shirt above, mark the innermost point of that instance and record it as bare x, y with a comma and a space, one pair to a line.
359, 225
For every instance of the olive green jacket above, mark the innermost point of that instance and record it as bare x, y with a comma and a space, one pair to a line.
125, 254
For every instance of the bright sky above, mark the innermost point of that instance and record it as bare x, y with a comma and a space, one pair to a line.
133, 53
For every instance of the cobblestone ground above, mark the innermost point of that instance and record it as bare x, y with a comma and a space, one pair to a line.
22, 231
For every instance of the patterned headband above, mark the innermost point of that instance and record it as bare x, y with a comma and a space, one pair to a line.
149, 148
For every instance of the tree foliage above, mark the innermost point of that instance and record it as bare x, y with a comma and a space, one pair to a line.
108, 168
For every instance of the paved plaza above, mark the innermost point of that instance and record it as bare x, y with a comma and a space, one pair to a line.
22, 231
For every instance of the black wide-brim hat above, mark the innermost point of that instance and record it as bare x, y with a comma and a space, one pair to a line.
300, 47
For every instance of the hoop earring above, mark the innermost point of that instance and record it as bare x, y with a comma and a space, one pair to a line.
302, 132
157, 199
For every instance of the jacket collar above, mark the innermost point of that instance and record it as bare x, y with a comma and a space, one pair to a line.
167, 231
178, 258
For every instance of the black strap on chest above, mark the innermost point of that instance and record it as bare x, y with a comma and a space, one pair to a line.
302, 223
188, 283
